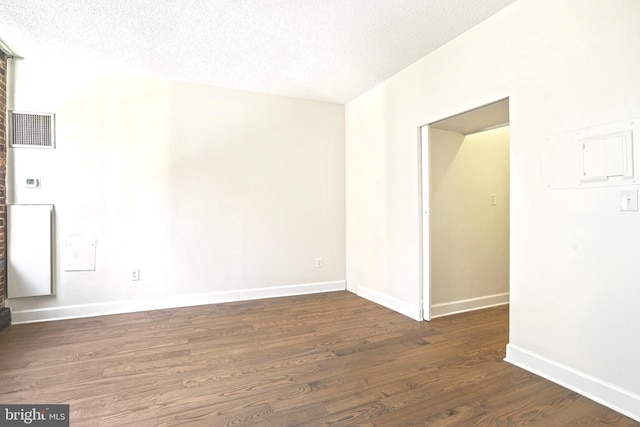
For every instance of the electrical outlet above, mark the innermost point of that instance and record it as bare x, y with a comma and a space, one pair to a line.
135, 275
319, 263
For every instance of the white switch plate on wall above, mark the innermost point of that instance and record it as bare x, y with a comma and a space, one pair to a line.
629, 200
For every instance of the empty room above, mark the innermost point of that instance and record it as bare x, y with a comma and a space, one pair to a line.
238, 213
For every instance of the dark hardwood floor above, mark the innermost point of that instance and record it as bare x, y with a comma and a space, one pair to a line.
328, 359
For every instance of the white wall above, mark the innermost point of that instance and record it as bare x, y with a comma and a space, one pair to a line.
574, 271
469, 235
213, 194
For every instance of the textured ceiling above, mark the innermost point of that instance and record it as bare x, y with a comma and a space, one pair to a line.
330, 50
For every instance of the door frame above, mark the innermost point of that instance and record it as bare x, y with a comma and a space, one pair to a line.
425, 239
424, 192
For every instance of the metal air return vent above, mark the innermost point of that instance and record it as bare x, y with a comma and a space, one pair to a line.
31, 130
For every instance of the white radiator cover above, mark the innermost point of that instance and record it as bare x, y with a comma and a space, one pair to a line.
29, 243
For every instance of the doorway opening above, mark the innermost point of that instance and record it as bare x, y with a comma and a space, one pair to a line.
465, 205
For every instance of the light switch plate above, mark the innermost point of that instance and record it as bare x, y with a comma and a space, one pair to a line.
629, 200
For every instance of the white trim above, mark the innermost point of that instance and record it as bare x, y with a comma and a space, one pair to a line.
4, 48
174, 301
610, 395
424, 147
409, 310
455, 307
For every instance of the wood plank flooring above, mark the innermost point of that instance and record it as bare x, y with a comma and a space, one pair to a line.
329, 359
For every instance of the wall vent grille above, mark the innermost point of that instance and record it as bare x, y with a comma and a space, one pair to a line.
31, 130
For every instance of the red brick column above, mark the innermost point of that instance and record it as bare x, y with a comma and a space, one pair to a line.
5, 316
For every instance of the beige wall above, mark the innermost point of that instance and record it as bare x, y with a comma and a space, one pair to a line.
469, 235
574, 273
213, 194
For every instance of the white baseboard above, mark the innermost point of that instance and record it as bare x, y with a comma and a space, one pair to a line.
616, 398
174, 301
409, 310
455, 307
